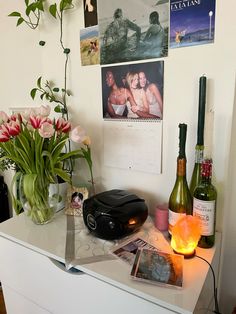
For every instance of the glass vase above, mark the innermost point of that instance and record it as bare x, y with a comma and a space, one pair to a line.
38, 201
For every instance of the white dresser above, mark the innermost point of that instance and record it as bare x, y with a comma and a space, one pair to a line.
34, 282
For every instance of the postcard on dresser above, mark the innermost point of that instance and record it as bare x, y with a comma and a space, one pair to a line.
158, 268
126, 250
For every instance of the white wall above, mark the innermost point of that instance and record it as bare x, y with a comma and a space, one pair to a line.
23, 61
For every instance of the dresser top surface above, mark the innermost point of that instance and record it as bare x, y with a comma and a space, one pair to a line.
50, 240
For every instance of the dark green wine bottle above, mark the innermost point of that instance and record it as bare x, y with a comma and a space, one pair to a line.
204, 205
180, 201
199, 148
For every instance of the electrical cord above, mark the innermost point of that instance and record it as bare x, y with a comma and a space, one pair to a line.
216, 311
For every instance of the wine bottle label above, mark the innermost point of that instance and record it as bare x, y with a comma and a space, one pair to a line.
173, 217
205, 210
198, 156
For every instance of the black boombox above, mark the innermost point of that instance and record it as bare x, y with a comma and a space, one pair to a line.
114, 214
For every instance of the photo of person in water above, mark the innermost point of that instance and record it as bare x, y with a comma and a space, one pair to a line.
133, 30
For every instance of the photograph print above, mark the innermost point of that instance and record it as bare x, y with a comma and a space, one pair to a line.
133, 91
90, 13
133, 30
89, 46
191, 22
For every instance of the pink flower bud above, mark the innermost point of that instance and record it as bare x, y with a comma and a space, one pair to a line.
46, 130
77, 135
87, 141
3, 117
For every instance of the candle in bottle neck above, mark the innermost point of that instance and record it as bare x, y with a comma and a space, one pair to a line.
201, 110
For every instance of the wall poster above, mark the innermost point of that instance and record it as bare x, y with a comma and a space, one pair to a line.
89, 46
90, 13
133, 30
133, 91
192, 22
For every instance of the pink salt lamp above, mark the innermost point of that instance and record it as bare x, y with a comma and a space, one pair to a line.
185, 235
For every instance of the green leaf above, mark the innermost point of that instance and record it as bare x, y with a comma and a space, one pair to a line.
65, 4
56, 89
42, 95
62, 174
14, 14
53, 10
39, 82
20, 21
39, 5
57, 109
31, 7
33, 93
26, 2
15, 202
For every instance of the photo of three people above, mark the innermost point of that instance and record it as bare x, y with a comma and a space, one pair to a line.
133, 91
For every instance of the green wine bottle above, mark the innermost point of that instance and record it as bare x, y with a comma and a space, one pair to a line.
199, 148
196, 176
204, 205
180, 201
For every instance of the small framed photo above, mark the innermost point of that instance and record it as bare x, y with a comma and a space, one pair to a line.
75, 199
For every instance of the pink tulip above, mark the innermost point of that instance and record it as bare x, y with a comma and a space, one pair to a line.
16, 117
13, 128
4, 137
44, 110
3, 117
78, 134
46, 130
27, 113
62, 125
5, 129
37, 121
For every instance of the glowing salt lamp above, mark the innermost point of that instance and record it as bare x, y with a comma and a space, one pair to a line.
185, 235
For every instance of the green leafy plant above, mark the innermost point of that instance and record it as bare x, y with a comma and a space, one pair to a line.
32, 14
48, 91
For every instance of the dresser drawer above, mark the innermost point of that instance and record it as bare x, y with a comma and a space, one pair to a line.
37, 278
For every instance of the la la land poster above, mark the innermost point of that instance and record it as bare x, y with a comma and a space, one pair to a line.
192, 22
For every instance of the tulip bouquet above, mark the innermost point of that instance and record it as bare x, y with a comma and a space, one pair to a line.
35, 144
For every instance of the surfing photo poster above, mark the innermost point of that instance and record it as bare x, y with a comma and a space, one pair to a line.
192, 22
133, 30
